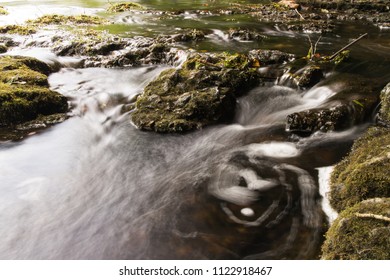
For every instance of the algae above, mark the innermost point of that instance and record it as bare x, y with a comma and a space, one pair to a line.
61, 19
385, 105
18, 29
364, 173
202, 92
3, 11
125, 6
24, 92
361, 232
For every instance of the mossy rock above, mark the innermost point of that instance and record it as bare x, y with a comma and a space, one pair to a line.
202, 92
17, 29
3, 48
61, 19
364, 173
125, 6
3, 11
385, 105
24, 92
361, 232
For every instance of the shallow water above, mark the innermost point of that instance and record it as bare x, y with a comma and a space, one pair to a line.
95, 187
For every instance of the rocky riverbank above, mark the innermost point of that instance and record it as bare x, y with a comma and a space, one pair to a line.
360, 185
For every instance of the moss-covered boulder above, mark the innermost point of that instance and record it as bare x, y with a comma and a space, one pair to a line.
202, 92
361, 232
124, 6
24, 91
385, 105
364, 173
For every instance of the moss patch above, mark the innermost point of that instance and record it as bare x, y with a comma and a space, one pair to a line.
18, 29
61, 19
354, 236
364, 173
3, 11
200, 93
24, 92
125, 6
385, 105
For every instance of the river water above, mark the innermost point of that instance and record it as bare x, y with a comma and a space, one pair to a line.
96, 187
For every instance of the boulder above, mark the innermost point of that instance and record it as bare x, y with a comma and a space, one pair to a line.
360, 232
364, 173
202, 92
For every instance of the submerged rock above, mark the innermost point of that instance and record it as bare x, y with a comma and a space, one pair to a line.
360, 233
24, 91
364, 173
202, 92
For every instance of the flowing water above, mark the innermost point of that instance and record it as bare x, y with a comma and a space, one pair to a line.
95, 187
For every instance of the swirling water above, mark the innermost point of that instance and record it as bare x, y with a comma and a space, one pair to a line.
95, 187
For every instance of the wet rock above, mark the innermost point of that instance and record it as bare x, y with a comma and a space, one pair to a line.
385, 104
61, 19
364, 172
360, 232
354, 103
268, 57
309, 76
24, 91
202, 92
125, 6
244, 35
3, 49
17, 29
3, 11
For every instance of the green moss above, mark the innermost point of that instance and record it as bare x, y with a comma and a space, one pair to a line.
18, 29
24, 92
385, 103
353, 237
202, 92
61, 19
3, 11
125, 6
364, 173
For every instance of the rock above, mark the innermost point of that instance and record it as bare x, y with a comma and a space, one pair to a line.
308, 76
351, 105
24, 91
125, 6
202, 92
385, 104
244, 35
360, 232
3, 48
364, 173
268, 57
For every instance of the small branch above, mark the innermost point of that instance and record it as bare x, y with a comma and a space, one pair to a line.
374, 216
315, 45
300, 15
347, 46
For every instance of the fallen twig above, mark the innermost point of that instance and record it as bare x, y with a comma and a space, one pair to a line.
347, 46
374, 216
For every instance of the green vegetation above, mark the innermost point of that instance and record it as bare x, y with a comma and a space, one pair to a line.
61, 19
364, 172
360, 232
125, 6
3, 11
24, 92
385, 106
18, 29
202, 92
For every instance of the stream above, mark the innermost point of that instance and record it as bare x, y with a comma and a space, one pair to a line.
96, 187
